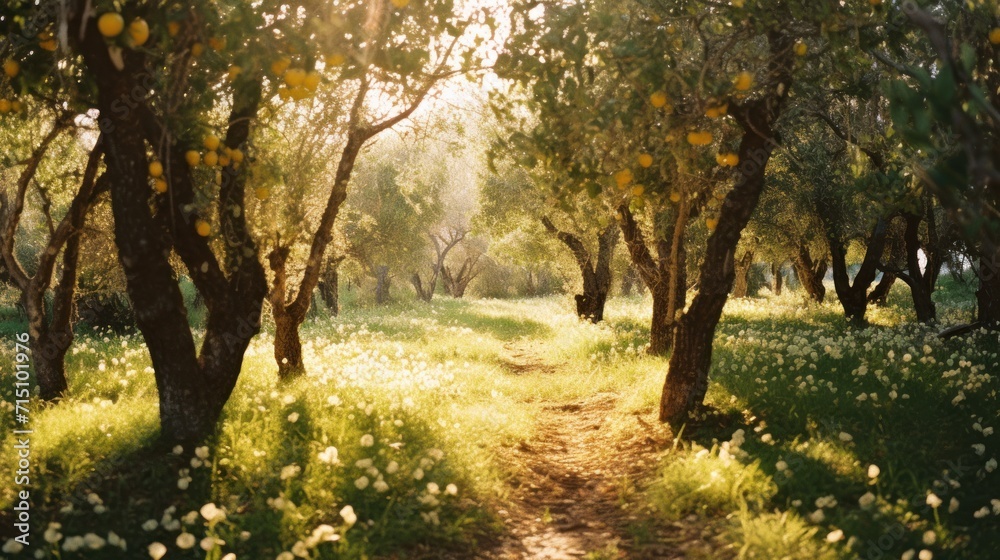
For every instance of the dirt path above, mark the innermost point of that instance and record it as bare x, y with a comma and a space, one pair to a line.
574, 493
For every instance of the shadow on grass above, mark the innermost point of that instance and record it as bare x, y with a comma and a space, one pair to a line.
826, 428
501, 327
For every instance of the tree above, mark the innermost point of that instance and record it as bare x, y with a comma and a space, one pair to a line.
953, 116
389, 211
607, 84
512, 197
51, 337
155, 93
394, 58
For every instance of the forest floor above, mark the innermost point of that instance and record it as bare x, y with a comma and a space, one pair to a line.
502, 430
576, 483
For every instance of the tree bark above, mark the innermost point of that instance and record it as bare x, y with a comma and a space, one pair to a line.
811, 274
382, 284
329, 286
988, 293
853, 296
687, 380
777, 280
665, 274
457, 282
741, 284
880, 294
193, 386
596, 275
921, 282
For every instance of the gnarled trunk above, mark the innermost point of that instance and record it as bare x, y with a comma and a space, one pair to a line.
777, 280
879, 295
853, 296
741, 284
329, 286
811, 274
596, 275
687, 379
193, 386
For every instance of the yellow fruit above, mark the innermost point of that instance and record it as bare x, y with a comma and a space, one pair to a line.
737, 3
262, 193
294, 77
995, 36
197, 49
743, 82
203, 228
312, 81
623, 178
211, 158
299, 93
4, 106
801, 49
111, 24
638, 190
675, 196
699, 138
400, 4
658, 99
11, 68
192, 158
138, 31
211, 142
173, 28
335, 60
47, 41
711, 223
716, 112
155, 169
875, 2
284, 94
160, 185
223, 160
234, 72
217, 43
237, 155
16, 106
728, 159
279, 66
645, 160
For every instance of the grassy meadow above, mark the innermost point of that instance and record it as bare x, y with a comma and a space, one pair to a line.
821, 441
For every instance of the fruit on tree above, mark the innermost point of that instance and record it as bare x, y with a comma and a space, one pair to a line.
111, 24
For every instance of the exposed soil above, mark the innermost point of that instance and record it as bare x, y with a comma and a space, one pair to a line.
575, 489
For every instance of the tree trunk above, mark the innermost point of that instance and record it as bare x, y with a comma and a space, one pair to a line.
287, 345
879, 296
596, 275
381, 284
853, 296
631, 283
988, 294
921, 282
687, 381
329, 286
424, 294
193, 386
810, 274
777, 280
741, 285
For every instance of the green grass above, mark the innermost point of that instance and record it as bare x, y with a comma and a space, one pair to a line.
432, 387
